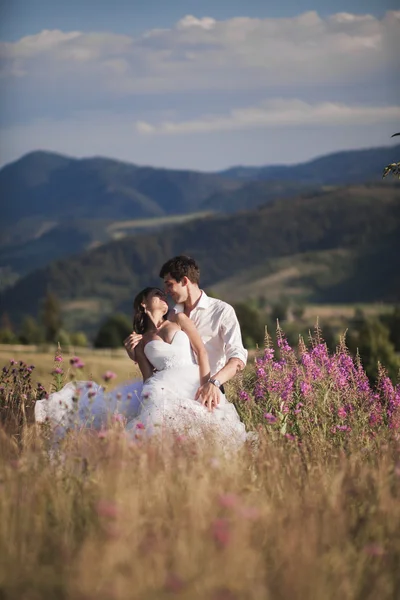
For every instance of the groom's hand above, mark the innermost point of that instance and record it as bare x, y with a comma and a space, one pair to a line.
130, 344
209, 395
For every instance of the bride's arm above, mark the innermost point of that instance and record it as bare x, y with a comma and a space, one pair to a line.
197, 344
144, 364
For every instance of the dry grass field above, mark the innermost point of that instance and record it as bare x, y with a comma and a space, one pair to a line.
309, 512
97, 362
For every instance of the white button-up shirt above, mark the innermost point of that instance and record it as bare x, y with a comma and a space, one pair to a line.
219, 328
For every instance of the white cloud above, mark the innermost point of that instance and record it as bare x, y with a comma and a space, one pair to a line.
148, 97
276, 113
205, 54
190, 21
32, 45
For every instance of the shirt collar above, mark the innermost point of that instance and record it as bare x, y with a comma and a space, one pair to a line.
204, 302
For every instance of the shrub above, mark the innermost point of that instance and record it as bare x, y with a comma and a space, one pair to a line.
113, 332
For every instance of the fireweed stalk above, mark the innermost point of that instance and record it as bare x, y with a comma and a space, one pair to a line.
312, 391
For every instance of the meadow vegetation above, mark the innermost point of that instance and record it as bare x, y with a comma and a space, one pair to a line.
310, 511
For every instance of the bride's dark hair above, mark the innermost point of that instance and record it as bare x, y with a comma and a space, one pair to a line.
140, 319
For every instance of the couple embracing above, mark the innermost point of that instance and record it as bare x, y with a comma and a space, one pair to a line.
185, 355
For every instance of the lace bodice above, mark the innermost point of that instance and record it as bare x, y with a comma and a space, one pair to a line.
169, 356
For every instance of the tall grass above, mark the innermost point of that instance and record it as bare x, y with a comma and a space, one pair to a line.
312, 512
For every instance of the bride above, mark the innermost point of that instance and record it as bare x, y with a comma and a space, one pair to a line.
169, 400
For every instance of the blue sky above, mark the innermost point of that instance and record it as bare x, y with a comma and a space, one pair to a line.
24, 17
197, 84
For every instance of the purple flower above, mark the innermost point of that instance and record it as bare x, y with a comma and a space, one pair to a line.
270, 417
58, 358
341, 428
305, 388
342, 414
108, 375
76, 362
57, 371
268, 354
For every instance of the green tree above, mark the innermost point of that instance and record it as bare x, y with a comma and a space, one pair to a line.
113, 332
252, 325
298, 311
280, 310
63, 338
8, 337
51, 317
373, 343
30, 331
392, 322
79, 338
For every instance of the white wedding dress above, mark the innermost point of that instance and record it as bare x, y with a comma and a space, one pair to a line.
165, 403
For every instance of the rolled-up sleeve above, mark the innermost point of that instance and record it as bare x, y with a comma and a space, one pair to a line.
232, 335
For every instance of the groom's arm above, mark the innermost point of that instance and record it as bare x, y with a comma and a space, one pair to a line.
228, 372
236, 353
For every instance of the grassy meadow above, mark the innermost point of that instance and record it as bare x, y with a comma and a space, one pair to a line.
96, 362
310, 511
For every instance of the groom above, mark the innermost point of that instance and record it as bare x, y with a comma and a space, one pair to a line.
215, 320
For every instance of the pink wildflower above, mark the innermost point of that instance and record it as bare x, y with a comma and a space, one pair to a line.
374, 549
270, 417
305, 388
108, 375
58, 358
342, 414
228, 500
250, 513
244, 396
221, 532
118, 418
140, 426
57, 371
106, 509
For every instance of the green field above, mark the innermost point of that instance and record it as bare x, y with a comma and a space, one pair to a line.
120, 229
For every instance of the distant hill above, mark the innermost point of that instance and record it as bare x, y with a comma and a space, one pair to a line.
55, 206
72, 236
361, 224
254, 194
340, 168
47, 186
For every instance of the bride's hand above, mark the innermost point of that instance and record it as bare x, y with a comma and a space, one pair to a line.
130, 344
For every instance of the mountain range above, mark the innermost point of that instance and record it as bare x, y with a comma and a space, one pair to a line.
90, 230
344, 246
54, 206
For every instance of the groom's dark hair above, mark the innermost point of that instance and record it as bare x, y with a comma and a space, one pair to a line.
180, 267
